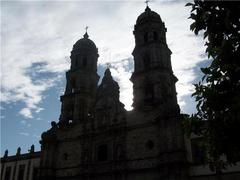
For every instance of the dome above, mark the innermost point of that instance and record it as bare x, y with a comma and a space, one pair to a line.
85, 44
147, 15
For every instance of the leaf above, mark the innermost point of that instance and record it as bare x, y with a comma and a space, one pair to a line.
192, 26
218, 94
189, 4
205, 70
205, 35
193, 16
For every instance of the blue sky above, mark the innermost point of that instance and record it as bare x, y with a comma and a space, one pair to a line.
36, 41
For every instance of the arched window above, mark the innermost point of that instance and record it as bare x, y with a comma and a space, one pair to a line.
21, 172
155, 36
149, 92
76, 62
35, 173
84, 62
65, 156
73, 84
8, 173
119, 152
102, 152
70, 110
149, 145
82, 111
146, 37
146, 61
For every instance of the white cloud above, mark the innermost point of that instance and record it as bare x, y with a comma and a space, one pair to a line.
24, 133
36, 136
24, 122
120, 72
26, 112
47, 32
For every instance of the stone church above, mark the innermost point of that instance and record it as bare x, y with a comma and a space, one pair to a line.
97, 139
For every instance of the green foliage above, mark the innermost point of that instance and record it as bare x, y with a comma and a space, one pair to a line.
218, 94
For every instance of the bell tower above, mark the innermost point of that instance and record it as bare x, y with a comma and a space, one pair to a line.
82, 79
153, 79
155, 102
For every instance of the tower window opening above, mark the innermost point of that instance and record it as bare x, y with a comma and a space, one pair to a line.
119, 152
146, 37
70, 115
102, 152
155, 36
146, 62
70, 111
149, 92
84, 62
65, 156
82, 109
149, 145
73, 84
76, 62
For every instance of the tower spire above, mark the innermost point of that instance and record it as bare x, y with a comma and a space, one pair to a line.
108, 65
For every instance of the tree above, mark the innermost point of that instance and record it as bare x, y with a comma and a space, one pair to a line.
218, 93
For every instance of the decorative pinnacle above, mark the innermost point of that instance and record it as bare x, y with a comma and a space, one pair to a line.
107, 74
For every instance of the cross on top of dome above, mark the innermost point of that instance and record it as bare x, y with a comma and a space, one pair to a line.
86, 28
147, 1
86, 34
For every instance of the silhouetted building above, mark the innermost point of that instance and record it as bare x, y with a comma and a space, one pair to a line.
20, 166
97, 139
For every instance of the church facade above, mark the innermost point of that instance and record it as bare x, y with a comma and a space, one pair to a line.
97, 139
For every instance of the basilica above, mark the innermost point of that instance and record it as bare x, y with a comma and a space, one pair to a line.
97, 139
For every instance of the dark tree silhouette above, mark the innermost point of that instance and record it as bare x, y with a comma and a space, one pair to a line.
218, 93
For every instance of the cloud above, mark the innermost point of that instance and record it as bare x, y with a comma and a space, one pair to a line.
24, 133
23, 46
121, 72
35, 52
23, 122
23, 88
36, 136
26, 112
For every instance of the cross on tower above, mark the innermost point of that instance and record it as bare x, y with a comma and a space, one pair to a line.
147, 1
108, 65
86, 28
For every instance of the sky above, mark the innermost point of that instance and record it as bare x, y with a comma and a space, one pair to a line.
36, 41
